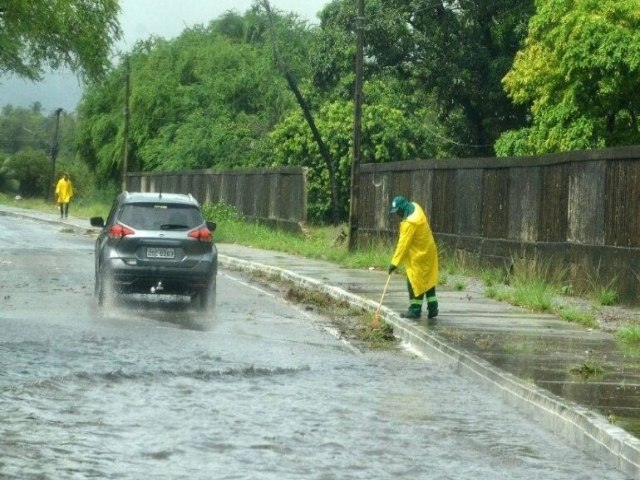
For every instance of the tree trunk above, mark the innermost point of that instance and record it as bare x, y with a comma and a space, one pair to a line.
324, 151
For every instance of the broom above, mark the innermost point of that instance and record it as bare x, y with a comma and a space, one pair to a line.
375, 322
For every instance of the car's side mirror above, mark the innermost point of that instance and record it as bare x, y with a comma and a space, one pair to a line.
97, 222
211, 226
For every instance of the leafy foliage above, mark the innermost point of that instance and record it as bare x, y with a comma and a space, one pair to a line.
580, 75
26, 136
220, 212
100, 139
203, 100
455, 52
213, 97
435, 79
21, 128
74, 33
388, 135
31, 168
630, 335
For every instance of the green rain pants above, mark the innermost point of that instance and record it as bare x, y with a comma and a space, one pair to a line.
415, 301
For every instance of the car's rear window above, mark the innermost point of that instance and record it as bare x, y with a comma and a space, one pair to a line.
160, 216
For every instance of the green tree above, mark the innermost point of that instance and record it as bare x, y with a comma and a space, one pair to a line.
388, 135
454, 52
23, 127
77, 34
333, 50
580, 75
31, 129
100, 134
202, 100
31, 169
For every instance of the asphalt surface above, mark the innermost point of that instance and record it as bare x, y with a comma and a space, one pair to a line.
536, 362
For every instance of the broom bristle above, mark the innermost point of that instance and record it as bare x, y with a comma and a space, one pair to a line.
375, 321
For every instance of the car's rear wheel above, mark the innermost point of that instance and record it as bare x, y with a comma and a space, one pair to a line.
102, 288
206, 297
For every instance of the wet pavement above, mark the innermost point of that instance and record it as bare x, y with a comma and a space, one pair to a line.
579, 383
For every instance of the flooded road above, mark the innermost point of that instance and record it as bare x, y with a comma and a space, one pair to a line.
262, 390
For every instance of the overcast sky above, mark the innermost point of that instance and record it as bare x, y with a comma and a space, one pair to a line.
139, 19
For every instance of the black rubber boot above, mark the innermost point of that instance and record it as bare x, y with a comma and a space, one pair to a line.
414, 311
432, 303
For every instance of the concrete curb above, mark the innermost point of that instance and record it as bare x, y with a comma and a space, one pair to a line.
585, 429
58, 222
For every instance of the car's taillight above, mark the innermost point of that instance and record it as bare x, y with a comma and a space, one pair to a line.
119, 231
203, 234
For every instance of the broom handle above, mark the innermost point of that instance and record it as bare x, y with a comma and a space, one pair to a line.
383, 293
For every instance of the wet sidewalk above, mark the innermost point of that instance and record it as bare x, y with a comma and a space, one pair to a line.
579, 383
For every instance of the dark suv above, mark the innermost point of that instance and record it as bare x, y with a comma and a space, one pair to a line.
156, 243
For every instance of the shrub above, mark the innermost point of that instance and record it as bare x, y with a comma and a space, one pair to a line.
220, 212
606, 296
629, 335
31, 168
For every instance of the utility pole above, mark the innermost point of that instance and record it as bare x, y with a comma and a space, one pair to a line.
54, 154
127, 93
357, 132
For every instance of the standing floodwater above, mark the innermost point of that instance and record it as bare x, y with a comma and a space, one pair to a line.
264, 391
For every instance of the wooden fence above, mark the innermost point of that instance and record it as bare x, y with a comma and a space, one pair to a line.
275, 196
579, 211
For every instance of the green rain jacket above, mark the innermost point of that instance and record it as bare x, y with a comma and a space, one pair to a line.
416, 251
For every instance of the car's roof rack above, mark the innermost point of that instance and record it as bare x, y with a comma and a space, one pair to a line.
186, 198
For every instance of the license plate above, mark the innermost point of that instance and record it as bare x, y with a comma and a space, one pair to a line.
161, 253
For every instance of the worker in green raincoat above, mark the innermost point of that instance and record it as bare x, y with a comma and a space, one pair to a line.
416, 250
